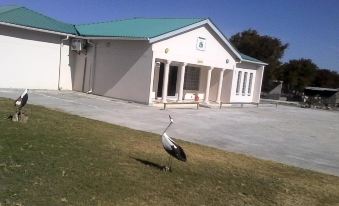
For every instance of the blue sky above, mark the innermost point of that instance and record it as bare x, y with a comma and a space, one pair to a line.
311, 27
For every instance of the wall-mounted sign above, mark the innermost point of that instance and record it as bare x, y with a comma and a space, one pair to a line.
201, 44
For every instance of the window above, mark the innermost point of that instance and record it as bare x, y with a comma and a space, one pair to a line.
250, 85
192, 77
238, 83
244, 84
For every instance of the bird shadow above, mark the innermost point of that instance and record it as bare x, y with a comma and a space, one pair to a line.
150, 164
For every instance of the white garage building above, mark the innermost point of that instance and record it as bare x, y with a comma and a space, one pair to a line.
143, 60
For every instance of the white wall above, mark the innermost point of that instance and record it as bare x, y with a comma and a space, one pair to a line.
258, 84
255, 88
227, 86
80, 61
30, 59
122, 69
183, 48
214, 84
84, 65
66, 68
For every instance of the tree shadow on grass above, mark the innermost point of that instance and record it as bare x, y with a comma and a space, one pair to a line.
150, 164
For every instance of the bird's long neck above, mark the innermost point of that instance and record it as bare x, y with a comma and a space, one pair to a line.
167, 127
23, 94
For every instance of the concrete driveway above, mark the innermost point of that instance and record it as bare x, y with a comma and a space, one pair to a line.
301, 137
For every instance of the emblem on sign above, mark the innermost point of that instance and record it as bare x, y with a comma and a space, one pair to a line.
201, 44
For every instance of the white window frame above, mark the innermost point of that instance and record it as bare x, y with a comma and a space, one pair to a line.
250, 82
244, 84
237, 90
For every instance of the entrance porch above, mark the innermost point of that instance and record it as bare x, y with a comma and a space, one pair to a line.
181, 82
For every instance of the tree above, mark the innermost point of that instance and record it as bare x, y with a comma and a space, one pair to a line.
265, 48
297, 74
326, 78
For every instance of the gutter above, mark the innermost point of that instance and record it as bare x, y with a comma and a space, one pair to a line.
36, 29
60, 58
71, 35
249, 61
112, 38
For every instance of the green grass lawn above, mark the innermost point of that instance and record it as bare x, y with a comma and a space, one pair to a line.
61, 159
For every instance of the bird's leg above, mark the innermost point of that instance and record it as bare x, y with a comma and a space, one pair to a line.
167, 166
19, 114
170, 164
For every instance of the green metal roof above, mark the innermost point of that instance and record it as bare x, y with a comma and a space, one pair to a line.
142, 28
135, 28
25, 17
248, 58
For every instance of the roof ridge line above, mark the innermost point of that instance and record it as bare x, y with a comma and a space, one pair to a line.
101, 22
117, 20
17, 7
169, 18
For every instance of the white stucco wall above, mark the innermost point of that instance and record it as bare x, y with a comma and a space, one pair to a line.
30, 59
258, 84
66, 68
183, 48
255, 87
122, 69
84, 64
79, 71
214, 84
227, 86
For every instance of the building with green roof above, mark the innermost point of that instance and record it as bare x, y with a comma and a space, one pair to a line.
145, 60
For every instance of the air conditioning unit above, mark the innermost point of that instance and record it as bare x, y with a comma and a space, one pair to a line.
77, 45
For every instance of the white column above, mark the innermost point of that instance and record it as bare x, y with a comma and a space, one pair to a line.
259, 75
221, 78
165, 82
182, 80
208, 84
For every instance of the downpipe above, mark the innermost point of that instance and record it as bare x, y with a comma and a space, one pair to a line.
60, 58
92, 68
